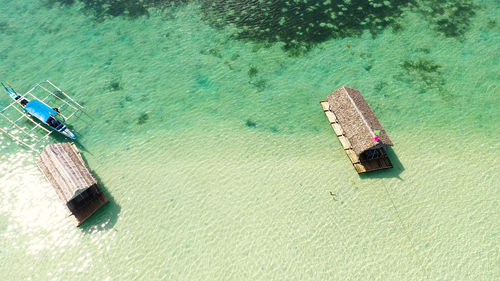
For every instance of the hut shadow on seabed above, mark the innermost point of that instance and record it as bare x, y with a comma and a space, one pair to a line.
106, 217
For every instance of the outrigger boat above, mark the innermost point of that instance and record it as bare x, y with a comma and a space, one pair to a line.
37, 109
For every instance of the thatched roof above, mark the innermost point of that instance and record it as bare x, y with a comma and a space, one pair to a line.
64, 167
357, 119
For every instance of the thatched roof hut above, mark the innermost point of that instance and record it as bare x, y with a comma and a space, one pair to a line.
64, 167
357, 119
356, 125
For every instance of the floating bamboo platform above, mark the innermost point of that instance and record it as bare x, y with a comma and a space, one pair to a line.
366, 156
63, 166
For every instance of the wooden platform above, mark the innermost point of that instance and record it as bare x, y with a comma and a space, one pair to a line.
63, 166
361, 165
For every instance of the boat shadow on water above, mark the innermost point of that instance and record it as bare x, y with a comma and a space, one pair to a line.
82, 147
394, 172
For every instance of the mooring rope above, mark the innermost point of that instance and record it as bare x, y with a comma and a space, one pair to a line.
407, 234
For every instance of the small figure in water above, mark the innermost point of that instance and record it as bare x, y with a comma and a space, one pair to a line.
334, 196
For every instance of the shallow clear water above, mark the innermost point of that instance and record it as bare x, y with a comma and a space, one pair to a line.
219, 161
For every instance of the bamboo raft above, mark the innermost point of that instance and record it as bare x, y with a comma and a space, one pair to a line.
366, 156
63, 166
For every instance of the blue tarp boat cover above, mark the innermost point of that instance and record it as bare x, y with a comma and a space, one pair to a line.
40, 110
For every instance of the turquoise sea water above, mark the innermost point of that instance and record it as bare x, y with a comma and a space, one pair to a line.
219, 161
